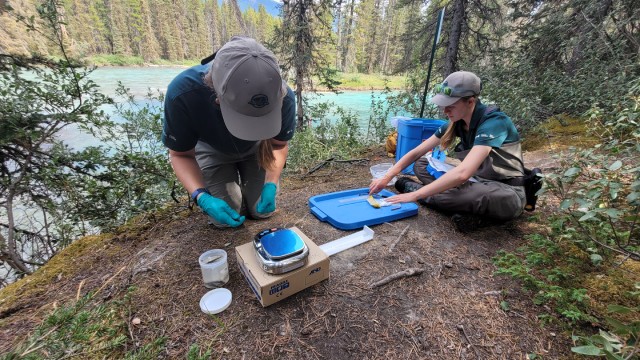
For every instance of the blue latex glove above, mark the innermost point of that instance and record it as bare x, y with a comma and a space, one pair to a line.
219, 210
267, 201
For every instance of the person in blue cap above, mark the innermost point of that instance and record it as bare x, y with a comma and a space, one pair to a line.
488, 184
227, 124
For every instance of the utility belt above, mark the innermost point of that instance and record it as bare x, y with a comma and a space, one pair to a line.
532, 182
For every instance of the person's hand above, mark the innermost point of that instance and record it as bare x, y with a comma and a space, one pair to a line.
378, 184
267, 201
403, 198
219, 210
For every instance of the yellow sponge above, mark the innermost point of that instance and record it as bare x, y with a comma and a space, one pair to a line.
373, 202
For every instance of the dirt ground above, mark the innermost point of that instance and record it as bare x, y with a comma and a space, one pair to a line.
451, 311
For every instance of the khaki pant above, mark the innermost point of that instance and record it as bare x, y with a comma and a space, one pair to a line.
488, 198
234, 178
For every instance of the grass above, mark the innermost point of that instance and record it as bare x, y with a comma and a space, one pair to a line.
355, 81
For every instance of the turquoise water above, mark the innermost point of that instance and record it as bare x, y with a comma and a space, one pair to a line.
141, 80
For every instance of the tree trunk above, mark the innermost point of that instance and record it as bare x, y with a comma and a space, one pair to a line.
586, 32
9, 245
453, 44
238, 14
346, 44
302, 25
389, 20
338, 17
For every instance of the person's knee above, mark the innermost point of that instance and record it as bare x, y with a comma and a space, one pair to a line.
507, 207
420, 170
254, 214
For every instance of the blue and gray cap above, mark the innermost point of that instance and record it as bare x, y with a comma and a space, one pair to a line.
247, 79
457, 85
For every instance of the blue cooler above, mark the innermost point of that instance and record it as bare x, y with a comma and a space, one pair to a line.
411, 133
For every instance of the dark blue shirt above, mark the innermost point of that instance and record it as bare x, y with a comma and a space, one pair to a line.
191, 114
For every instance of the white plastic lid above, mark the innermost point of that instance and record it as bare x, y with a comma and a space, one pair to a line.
215, 301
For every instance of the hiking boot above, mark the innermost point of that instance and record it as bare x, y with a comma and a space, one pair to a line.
406, 185
466, 223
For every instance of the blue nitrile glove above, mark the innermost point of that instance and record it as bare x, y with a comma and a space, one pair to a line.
267, 201
219, 210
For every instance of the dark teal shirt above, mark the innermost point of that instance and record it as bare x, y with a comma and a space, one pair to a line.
191, 115
496, 130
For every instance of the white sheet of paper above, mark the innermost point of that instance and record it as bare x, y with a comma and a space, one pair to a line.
443, 166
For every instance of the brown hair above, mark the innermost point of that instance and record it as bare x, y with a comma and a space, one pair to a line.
265, 154
265, 148
447, 137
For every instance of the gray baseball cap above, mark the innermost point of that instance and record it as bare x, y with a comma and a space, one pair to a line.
247, 79
457, 85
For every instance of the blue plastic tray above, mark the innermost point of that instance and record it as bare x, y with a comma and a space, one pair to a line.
349, 209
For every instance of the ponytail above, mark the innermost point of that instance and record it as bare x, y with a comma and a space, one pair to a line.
265, 154
447, 137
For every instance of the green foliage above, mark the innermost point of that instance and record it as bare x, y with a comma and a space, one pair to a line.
378, 126
621, 342
325, 139
195, 353
565, 58
52, 191
597, 226
129, 145
600, 187
542, 269
85, 329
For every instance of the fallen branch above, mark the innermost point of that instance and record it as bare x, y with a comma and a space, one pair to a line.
399, 275
464, 332
399, 238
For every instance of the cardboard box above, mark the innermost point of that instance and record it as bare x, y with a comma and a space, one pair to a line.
270, 288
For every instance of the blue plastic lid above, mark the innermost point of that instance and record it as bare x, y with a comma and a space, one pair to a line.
349, 209
280, 243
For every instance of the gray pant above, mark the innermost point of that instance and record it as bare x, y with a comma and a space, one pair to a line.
488, 198
234, 178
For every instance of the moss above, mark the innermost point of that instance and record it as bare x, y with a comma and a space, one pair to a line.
613, 287
559, 132
62, 264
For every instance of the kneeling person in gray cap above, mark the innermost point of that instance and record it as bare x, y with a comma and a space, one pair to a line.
227, 125
490, 152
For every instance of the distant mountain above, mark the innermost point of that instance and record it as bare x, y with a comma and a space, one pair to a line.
272, 6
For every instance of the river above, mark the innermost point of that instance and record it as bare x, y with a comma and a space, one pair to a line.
141, 80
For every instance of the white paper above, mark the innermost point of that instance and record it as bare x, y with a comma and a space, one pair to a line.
443, 166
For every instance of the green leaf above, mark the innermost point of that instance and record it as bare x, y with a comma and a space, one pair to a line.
596, 259
587, 216
611, 356
504, 305
572, 172
586, 350
618, 309
566, 203
613, 213
616, 165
